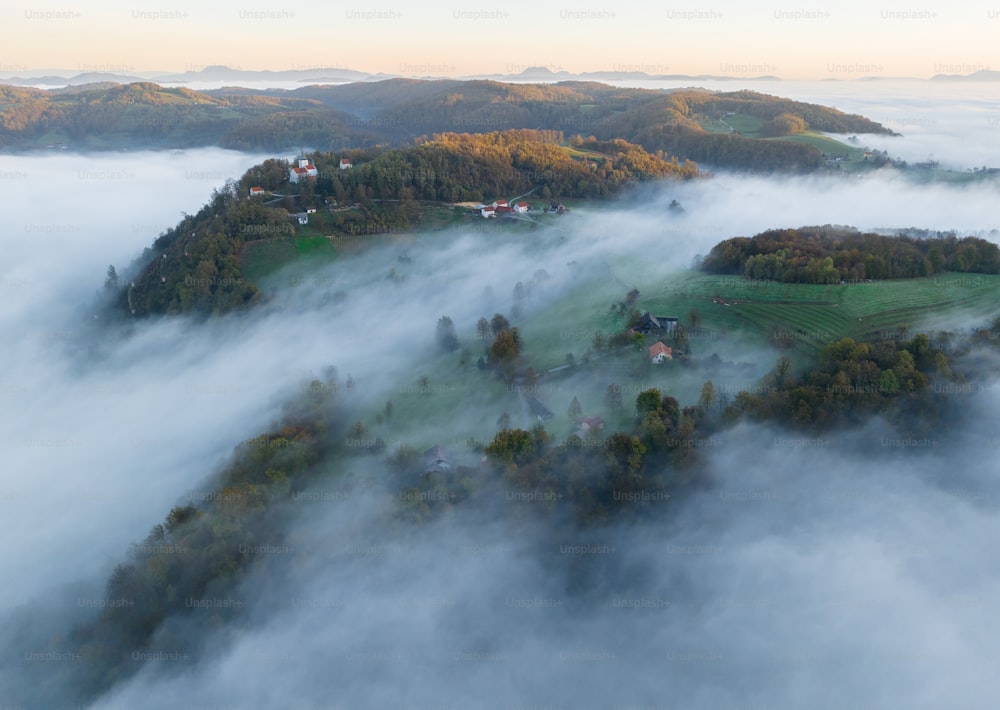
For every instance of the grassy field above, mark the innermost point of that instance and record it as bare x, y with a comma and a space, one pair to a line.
733, 313
737, 319
749, 127
742, 123
825, 145
264, 257
810, 315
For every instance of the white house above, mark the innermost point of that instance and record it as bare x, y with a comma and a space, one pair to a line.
488, 212
254, 191
521, 207
303, 169
658, 352
345, 164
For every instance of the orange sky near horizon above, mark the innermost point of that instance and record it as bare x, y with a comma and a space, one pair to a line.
845, 40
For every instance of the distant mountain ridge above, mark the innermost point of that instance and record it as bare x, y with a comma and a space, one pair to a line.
688, 123
337, 74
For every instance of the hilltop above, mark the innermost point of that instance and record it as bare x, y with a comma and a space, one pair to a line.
211, 261
689, 123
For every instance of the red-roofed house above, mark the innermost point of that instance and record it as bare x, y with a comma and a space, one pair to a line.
500, 203
658, 352
254, 191
345, 164
488, 212
521, 207
304, 169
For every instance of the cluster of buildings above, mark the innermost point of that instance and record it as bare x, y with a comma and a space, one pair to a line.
649, 325
304, 169
500, 208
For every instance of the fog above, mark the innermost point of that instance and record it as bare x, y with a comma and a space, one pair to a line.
807, 576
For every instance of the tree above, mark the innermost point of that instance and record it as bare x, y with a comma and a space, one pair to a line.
781, 371
575, 410
483, 329
358, 431
707, 395
613, 398
786, 124
649, 400
447, 338
511, 446
624, 462
498, 323
111, 280
694, 319
504, 352
887, 383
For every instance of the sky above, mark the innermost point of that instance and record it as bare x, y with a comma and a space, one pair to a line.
809, 41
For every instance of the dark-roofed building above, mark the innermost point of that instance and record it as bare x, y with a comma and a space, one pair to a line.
655, 324
437, 459
538, 409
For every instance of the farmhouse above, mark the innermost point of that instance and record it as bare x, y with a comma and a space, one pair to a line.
658, 352
586, 425
303, 169
521, 207
538, 409
254, 191
437, 459
302, 217
345, 164
496, 208
655, 324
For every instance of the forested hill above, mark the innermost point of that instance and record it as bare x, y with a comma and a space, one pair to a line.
196, 266
145, 115
689, 123
827, 255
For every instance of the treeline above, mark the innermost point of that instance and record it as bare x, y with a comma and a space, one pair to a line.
455, 167
195, 267
851, 383
828, 255
729, 149
767, 107
145, 115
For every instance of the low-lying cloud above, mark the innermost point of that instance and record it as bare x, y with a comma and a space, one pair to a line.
807, 576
